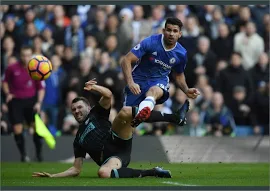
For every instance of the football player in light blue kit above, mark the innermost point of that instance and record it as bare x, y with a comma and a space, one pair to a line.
148, 81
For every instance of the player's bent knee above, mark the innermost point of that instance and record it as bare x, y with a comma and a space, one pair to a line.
155, 91
125, 112
104, 172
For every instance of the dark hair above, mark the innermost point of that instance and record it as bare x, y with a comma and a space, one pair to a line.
174, 21
81, 99
26, 47
237, 53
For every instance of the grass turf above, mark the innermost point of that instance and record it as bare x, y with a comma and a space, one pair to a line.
184, 174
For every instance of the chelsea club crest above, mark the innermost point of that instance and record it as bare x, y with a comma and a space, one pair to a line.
172, 60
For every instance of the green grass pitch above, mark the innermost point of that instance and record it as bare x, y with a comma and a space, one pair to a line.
184, 174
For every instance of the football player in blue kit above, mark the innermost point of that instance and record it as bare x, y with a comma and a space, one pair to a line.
148, 82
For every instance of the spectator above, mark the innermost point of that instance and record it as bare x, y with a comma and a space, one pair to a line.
231, 13
48, 42
212, 28
157, 19
205, 15
223, 42
221, 65
59, 50
194, 127
30, 33
257, 14
190, 34
260, 72
37, 46
12, 30
203, 62
179, 11
249, 44
48, 13
3, 9
59, 23
243, 18
74, 36
7, 51
77, 78
30, 17
83, 11
241, 111
141, 28
107, 77
205, 102
234, 75
70, 61
260, 108
111, 43
112, 25
90, 46
97, 29
126, 30
218, 118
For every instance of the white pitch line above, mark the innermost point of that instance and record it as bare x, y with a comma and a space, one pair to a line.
177, 183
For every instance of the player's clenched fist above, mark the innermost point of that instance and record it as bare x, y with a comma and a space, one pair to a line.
134, 88
41, 174
193, 93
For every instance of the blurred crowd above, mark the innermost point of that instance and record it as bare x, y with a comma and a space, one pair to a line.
228, 61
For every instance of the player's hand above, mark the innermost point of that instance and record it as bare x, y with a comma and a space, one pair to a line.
193, 93
9, 98
42, 174
89, 85
134, 88
37, 107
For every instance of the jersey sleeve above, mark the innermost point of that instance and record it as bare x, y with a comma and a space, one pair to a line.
100, 111
7, 75
180, 67
78, 151
142, 48
40, 85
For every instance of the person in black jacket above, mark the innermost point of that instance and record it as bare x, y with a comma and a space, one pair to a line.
202, 62
260, 108
260, 72
223, 45
241, 109
234, 75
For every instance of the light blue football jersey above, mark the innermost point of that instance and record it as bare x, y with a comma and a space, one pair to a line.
155, 62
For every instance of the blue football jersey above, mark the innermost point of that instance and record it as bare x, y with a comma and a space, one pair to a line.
155, 62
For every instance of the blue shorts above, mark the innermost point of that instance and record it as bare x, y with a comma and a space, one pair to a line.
135, 100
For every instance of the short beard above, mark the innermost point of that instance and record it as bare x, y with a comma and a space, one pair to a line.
166, 42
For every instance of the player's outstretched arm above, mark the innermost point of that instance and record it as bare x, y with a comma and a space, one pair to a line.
190, 92
105, 100
71, 172
127, 70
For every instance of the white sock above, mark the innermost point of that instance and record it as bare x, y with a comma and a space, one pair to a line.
147, 102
